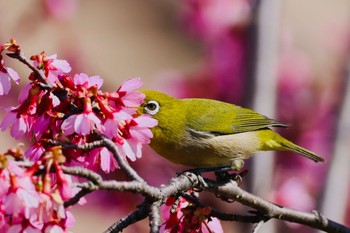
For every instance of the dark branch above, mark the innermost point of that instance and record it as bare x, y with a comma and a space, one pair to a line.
74, 200
315, 220
20, 57
140, 213
226, 216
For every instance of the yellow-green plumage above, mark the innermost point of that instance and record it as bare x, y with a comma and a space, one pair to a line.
209, 133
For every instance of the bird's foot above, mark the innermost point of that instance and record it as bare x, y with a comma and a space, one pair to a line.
209, 169
225, 176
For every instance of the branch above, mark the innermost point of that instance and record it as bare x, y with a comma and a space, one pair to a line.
109, 144
74, 200
315, 219
123, 164
155, 197
140, 213
20, 57
154, 216
226, 216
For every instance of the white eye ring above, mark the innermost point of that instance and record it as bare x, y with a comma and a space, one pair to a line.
152, 107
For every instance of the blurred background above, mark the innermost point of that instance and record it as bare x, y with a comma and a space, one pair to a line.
286, 59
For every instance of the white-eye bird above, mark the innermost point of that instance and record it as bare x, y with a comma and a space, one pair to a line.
205, 133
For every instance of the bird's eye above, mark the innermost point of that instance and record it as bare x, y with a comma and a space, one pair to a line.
152, 107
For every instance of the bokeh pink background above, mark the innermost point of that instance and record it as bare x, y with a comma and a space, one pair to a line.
202, 49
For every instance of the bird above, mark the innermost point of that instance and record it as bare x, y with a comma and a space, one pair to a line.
206, 133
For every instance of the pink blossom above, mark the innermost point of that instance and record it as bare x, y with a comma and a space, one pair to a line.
188, 218
141, 132
70, 220
22, 196
112, 125
30, 225
81, 124
63, 183
24, 93
86, 81
41, 124
9, 118
130, 148
5, 82
53, 67
135, 132
47, 206
35, 152
54, 229
108, 162
127, 94
55, 100
19, 125
101, 158
4, 183
6, 74
56, 64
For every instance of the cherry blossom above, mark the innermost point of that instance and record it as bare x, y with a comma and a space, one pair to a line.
188, 217
52, 66
6, 74
53, 106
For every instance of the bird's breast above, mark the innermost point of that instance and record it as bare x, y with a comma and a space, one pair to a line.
208, 152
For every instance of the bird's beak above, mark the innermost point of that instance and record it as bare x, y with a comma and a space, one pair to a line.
140, 110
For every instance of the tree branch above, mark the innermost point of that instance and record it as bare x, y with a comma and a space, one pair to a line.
315, 219
140, 213
226, 216
109, 144
20, 57
154, 216
155, 197
123, 164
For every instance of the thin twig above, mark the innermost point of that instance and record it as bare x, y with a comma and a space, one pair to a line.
22, 58
109, 144
74, 200
140, 213
123, 164
84, 173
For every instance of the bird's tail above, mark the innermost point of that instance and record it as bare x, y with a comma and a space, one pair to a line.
289, 146
277, 142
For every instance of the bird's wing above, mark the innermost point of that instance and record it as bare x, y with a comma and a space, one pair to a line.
222, 120
248, 120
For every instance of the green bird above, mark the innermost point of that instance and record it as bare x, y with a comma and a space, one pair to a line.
205, 133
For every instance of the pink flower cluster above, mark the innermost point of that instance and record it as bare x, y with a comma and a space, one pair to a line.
74, 109
55, 106
32, 200
187, 217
